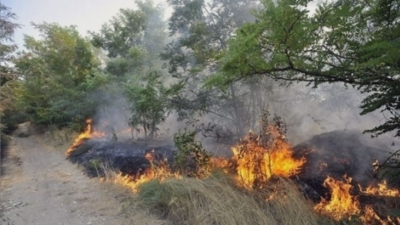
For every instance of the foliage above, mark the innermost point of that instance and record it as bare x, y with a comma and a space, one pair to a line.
202, 30
57, 73
190, 158
353, 42
390, 169
8, 83
7, 46
132, 39
149, 102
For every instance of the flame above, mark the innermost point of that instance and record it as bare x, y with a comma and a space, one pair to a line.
256, 163
381, 190
158, 171
342, 203
372, 217
221, 163
88, 133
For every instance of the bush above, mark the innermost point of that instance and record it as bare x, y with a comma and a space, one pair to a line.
190, 158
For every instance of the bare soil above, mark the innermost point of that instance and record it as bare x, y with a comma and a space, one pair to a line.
39, 186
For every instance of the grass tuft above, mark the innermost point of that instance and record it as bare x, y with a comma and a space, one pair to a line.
216, 200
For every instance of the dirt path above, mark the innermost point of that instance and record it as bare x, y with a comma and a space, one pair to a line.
41, 187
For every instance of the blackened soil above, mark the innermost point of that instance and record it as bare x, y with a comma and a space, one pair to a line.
96, 156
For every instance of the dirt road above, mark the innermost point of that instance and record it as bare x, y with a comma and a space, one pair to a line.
40, 187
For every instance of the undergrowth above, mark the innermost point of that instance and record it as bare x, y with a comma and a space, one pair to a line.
217, 200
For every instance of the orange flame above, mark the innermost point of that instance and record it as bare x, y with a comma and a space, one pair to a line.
371, 217
381, 190
160, 172
88, 133
387, 194
256, 163
342, 203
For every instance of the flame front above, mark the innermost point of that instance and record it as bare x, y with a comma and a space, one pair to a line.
256, 163
158, 171
372, 217
342, 203
256, 159
88, 133
381, 190
389, 199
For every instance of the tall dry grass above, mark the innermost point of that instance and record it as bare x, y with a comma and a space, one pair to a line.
216, 200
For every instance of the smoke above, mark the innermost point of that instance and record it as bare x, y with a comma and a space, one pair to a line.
307, 111
112, 113
340, 153
311, 111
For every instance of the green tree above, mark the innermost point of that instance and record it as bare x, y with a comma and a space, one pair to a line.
149, 102
203, 30
57, 72
354, 42
133, 39
8, 77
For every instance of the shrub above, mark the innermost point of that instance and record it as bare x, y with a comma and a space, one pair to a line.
190, 158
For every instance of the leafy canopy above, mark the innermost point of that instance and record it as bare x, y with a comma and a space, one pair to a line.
149, 99
354, 42
132, 39
57, 72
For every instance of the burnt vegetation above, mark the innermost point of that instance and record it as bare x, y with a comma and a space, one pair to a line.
179, 108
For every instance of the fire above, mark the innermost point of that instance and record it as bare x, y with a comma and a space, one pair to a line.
371, 217
88, 133
256, 163
132, 182
388, 199
342, 203
221, 163
158, 170
381, 190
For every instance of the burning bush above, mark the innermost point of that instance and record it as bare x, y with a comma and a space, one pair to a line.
260, 156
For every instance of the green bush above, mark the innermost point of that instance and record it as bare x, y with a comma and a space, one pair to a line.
190, 158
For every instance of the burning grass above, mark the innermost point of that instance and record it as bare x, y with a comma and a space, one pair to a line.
381, 190
341, 204
345, 204
158, 171
253, 187
87, 134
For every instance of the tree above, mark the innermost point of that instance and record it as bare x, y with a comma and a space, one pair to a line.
57, 73
353, 42
7, 48
7, 45
133, 39
149, 102
201, 30
8, 81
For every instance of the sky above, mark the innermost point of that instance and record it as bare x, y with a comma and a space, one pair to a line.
87, 15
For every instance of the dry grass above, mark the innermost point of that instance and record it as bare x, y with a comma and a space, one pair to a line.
131, 209
134, 212
217, 201
60, 138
